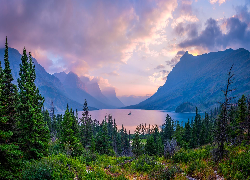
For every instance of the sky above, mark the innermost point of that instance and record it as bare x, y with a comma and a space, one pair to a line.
129, 45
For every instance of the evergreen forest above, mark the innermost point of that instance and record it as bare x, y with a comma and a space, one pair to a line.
37, 144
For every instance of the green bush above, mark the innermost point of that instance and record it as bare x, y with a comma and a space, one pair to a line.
54, 167
237, 164
192, 155
166, 173
145, 163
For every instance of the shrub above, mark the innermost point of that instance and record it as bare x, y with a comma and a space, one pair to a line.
54, 167
144, 163
166, 173
237, 164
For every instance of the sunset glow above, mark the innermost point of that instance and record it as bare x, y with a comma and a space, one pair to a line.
131, 46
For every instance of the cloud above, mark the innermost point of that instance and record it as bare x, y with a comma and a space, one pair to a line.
114, 73
159, 77
86, 34
233, 32
103, 83
217, 1
175, 59
208, 38
160, 66
190, 29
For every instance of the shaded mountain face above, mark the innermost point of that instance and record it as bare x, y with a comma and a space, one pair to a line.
49, 86
110, 93
77, 91
199, 80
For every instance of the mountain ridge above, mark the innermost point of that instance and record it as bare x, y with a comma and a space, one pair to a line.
199, 79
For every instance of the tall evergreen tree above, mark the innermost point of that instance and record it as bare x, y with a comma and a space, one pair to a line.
103, 145
10, 154
136, 144
86, 126
223, 119
68, 136
34, 134
187, 134
168, 128
242, 117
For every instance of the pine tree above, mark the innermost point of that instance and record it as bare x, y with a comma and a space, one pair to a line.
68, 136
136, 144
34, 134
242, 117
102, 140
168, 128
10, 154
187, 136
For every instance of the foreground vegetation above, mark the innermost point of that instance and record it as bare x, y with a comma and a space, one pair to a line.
36, 144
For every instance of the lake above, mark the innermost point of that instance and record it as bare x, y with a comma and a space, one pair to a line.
138, 116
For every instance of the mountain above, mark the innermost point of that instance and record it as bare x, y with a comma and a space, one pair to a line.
110, 93
49, 86
94, 90
76, 85
77, 91
132, 100
199, 80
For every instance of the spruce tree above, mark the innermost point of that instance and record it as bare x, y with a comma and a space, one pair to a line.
242, 117
136, 144
68, 137
10, 154
168, 128
103, 144
34, 134
187, 136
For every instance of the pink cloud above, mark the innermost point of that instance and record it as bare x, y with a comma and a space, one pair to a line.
94, 33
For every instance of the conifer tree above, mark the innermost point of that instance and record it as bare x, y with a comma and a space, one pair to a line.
136, 144
34, 134
102, 140
10, 154
68, 136
86, 126
168, 128
242, 117
187, 136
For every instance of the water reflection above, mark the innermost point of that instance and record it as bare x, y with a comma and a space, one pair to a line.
138, 116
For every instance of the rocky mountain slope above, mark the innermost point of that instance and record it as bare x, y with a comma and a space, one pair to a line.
199, 80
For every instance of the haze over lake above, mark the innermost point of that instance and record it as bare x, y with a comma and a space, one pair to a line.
138, 116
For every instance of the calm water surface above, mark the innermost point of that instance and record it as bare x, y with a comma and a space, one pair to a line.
138, 116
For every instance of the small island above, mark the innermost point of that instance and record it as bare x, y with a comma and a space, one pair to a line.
185, 107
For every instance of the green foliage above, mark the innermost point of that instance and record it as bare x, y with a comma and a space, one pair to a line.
69, 137
10, 154
185, 107
168, 128
34, 134
102, 145
145, 163
55, 167
154, 145
188, 156
236, 166
166, 173
137, 145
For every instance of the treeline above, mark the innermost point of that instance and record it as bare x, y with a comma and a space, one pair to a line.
74, 134
23, 133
